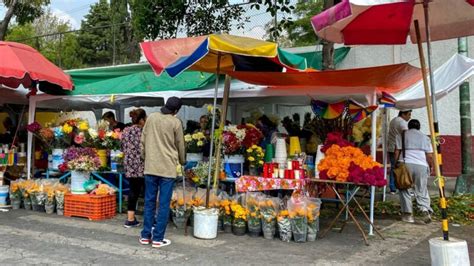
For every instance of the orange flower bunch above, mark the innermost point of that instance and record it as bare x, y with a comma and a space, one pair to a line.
312, 212
298, 211
338, 159
224, 206
283, 214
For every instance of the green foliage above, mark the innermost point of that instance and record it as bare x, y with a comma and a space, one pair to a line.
276, 8
300, 32
164, 19
27, 10
460, 209
107, 27
59, 49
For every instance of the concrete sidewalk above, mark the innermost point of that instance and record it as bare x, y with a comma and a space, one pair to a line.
28, 237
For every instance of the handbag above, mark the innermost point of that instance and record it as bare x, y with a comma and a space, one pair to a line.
403, 178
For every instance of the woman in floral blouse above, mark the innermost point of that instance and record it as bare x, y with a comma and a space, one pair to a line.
133, 163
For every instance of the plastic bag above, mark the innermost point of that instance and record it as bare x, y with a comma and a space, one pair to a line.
284, 222
252, 203
298, 216
313, 205
269, 208
90, 185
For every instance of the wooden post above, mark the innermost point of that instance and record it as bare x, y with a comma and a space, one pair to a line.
442, 198
225, 105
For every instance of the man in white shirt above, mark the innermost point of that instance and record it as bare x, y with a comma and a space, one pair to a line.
418, 159
397, 126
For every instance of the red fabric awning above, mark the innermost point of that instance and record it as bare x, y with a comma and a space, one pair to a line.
21, 64
390, 78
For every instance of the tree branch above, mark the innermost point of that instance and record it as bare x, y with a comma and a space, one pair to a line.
6, 20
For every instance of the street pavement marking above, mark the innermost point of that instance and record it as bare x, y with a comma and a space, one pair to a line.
173, 235
101, 246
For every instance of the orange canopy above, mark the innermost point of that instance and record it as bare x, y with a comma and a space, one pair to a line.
390, 78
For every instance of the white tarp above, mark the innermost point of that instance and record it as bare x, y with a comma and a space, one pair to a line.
447, 78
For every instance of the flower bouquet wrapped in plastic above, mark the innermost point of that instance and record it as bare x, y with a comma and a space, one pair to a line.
180, 206
269, 210
225, 214
15, 194
313, 206
298, 216
50, 203
254, 216
239, 222
59, 191
284, 225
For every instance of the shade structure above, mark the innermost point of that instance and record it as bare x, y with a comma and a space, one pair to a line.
390, 78
201, 54
391, 21
22, 65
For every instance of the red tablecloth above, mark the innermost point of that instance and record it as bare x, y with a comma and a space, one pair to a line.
256, 183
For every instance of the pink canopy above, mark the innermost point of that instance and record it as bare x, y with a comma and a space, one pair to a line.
391, 21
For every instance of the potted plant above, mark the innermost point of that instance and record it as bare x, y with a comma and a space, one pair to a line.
239, 222
255, 156
194, 145
81, 162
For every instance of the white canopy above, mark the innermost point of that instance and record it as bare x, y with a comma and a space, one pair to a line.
446, 79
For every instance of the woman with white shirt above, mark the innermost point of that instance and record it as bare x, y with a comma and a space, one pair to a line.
418, 159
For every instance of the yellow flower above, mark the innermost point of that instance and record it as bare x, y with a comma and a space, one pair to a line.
188, 138
195, 136
83, 126
209, 108
67, 128
200, 135
200, 143
251, 158
254, 146
249, 150
260, 162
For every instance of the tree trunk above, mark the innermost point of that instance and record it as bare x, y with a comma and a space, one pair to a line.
328, 47
6, 20
464, 183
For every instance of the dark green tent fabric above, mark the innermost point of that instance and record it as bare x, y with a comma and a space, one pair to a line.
315, 59
134, 78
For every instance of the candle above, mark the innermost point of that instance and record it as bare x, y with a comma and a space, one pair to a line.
297, 174
281, 173
289, 165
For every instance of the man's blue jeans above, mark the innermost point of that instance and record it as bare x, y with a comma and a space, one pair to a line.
391, 156
152, 184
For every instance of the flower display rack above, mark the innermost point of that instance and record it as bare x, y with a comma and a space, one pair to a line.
93, 207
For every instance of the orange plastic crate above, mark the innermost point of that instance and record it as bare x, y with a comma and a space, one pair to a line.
93, 207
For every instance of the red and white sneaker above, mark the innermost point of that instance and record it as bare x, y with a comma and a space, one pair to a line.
144, 241
159, 244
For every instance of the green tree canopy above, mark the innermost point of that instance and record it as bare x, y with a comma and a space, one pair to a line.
61, 49
106, 36
24, 11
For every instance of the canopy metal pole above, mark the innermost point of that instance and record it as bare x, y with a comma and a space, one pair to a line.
442, 198
373, 152
29, 148
384, 149
213, 128
428, 46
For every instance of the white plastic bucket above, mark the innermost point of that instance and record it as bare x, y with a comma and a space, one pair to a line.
3, 195
234, 165
194, 157
205, 223
57, 158
78, 178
